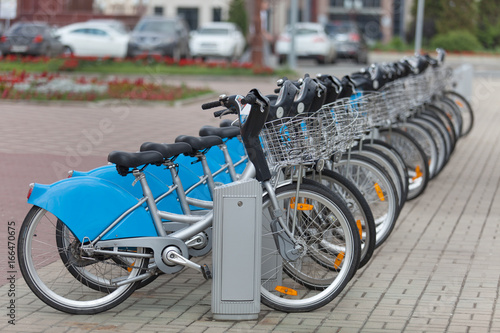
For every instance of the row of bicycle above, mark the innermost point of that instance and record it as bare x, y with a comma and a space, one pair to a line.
337, 160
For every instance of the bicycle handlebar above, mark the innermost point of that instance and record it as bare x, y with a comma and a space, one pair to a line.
219, 113
211, 105
249, 99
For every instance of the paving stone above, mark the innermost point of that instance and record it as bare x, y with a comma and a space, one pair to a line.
438, 271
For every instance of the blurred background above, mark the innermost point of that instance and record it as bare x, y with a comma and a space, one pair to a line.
342, 28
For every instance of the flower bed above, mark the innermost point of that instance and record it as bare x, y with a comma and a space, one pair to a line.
20, 85
138, 65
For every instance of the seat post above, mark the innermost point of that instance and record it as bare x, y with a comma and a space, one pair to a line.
229, 162
150, 200
181, 194
208, 173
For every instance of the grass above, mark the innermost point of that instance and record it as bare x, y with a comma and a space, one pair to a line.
138, 67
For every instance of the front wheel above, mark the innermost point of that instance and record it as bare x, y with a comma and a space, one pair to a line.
326, 252
60, 274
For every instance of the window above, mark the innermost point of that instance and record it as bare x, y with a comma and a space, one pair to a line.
190, 15
158, 10
99, 32
217, 14
81, 31
336, 3
371, 3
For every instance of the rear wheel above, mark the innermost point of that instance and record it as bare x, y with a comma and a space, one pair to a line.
58, 271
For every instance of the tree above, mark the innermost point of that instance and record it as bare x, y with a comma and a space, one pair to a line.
238, 15
432, 14
457, 15
488, 25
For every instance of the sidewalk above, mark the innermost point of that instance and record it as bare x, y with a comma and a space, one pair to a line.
438, 272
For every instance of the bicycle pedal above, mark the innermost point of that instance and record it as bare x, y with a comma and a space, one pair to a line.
207, 274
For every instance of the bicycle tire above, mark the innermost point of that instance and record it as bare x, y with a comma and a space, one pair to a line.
414, 157
358, 206
438, 139
393, 154
303, 284
377, 188
465, 109
444, 132
426, 141
388, 165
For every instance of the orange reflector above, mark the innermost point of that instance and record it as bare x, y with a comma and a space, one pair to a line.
286, 291
430, 162
418, 173
457, 102
360, 229
379, 191
338, 260
130, 268
300, 206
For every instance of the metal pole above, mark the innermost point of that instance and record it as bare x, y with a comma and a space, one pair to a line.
294, 14
419, 27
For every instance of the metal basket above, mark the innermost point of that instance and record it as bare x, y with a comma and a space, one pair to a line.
348, 121
299, 140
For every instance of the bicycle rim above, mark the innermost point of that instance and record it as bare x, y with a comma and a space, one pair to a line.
377, 188
329, 252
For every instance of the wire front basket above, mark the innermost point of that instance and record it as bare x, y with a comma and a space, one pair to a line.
304, 139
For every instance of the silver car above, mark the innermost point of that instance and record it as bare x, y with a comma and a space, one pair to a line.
160, 35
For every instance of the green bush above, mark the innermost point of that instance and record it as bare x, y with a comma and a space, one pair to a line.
458, 40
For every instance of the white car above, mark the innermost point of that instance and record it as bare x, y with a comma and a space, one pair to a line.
93, 39
217, 39
311, 41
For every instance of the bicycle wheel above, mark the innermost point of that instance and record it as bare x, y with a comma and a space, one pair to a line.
438, 139
426, 142
434, 111
396, 158
444, 133
386, 163
358, 206
465, 110
328, 248
414, 157
59, 275
377, 188
452, 112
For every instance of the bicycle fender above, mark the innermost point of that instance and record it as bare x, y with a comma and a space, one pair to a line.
157, 186
88, 205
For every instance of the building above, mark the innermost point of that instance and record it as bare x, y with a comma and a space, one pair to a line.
196, 12
63, 12
379, 19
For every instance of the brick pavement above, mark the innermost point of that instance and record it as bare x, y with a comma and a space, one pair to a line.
438, 272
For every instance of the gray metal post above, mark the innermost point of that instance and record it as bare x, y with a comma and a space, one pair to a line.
420, 26
294, 14
236, 252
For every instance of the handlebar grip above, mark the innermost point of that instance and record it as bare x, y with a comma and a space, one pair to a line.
277, 90
249, 99
210, 105
219, 113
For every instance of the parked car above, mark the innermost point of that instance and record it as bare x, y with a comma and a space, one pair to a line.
116, 24
219, 39
160, 35
349, 40
30, 38
93, 39
311, 41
